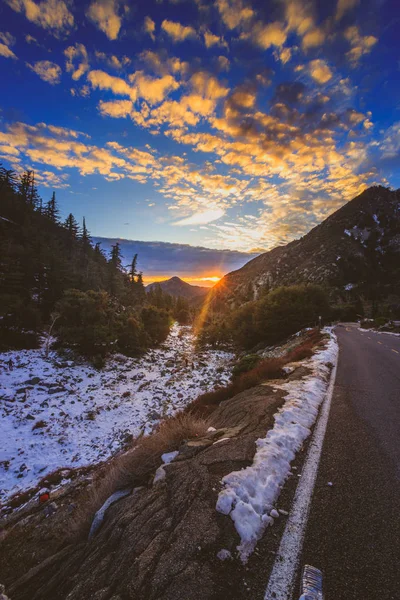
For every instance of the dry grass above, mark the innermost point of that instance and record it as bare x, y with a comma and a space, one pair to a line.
136, 467
269, 368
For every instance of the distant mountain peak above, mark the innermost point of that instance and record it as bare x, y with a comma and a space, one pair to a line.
175, 286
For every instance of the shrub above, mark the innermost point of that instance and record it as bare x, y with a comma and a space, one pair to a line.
270, 319
156, 322
245, 364
132, 339
380, 321
269, 368
214, 332
86, 321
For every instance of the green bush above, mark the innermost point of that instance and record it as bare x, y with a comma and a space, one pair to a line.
380, 321
132, 339
215, 333
156, 322
247, 363
87, 322
277, 315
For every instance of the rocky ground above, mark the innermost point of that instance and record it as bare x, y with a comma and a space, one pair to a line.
164, 540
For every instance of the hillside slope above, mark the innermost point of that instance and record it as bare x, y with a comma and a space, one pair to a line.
354, 251
177, 287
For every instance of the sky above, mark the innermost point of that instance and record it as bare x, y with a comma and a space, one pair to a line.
226, 124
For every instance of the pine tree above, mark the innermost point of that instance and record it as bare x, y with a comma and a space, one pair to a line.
71, 226
99, 253
85, 237
116, 257
140, 289
116, 276
52, 211
132, 272
27, 189
8, 179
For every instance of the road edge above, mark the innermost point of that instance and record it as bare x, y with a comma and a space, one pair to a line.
283, 574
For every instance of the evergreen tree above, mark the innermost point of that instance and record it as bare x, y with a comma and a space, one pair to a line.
132, 272
116, 257
140, 289
71, 226
99, 253
52, 211
28, 190
85, 237
8, 179
44, 262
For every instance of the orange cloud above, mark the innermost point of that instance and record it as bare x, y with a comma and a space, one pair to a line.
176, 31
360, 45
49, 14
77, 53
104, 14
47, 70
104, 81
149, 27
320, 71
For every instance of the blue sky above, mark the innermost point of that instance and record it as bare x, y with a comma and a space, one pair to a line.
226, 124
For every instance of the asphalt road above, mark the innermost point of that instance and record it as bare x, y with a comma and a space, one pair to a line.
353, 532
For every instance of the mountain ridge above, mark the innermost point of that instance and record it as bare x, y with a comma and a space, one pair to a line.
175, 286
356, 249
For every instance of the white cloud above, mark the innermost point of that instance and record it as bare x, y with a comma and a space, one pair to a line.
202, 218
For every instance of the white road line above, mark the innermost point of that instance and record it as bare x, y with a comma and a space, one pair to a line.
394, 351
282, 579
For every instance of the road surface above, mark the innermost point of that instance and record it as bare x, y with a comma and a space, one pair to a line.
353, 532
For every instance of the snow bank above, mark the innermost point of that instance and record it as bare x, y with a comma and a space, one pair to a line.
377, 331
56, 413
249, 495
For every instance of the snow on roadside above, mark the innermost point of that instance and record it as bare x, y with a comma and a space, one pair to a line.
56, 413
377, 331
249, 495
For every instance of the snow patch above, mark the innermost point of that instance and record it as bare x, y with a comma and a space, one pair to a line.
169, 457
56, 413
99, 516
224, 554
249, 495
